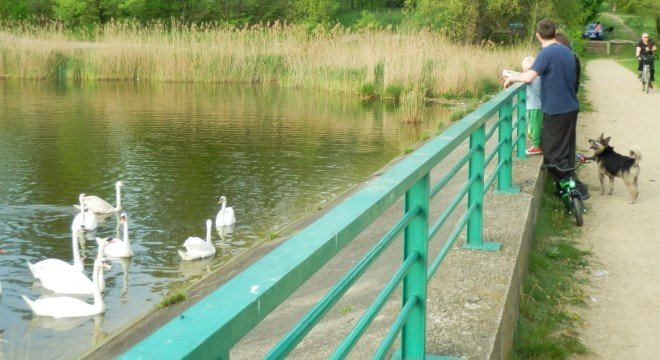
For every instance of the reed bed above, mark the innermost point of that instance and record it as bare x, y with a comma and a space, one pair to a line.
413, 65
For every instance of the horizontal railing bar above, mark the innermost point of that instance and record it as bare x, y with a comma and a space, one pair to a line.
286, 344
401, 320
515, 124
351, 339
515, 141
494, 152
450, 208
452, 172
493, 176
493, 129
450, 242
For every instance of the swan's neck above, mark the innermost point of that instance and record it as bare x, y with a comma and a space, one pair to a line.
208, 233
77, 261
82, 208
224, 204
126, 243
118, 207
98, 299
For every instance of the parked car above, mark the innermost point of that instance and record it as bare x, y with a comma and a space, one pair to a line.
591, 33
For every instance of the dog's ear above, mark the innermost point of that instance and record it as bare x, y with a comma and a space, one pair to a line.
602, 135
606, 141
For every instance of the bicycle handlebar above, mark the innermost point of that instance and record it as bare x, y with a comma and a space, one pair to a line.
647, 58
581, 159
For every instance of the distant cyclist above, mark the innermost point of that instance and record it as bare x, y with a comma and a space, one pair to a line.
645, 47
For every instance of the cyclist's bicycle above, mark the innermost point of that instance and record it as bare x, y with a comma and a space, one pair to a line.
567, 191
646, 60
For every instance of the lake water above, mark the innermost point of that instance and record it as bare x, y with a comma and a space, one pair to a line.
276, 155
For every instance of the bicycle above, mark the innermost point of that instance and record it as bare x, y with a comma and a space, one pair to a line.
646, 60
567, 190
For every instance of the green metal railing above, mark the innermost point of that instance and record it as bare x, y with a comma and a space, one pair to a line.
211, 327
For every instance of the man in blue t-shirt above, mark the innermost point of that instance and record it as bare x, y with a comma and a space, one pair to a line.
555, 64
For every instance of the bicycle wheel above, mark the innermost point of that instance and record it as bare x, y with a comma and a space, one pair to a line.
576, 204
646, 78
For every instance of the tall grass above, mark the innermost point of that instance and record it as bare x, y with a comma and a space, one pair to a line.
336, 60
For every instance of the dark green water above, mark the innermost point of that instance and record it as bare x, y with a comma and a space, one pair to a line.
277, 155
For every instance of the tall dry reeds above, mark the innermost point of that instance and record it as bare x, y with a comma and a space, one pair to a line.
410, 65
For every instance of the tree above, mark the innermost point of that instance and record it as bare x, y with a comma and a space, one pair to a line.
474, 21
84, 12
21, 9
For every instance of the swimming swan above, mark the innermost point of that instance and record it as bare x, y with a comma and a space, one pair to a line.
99, 206
64, 306
50, 265
197, 248
85, 220
225, 216
117, 248
74, 282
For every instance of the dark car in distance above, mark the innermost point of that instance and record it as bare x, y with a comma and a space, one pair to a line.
591, 33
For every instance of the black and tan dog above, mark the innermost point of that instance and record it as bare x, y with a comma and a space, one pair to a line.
611, 164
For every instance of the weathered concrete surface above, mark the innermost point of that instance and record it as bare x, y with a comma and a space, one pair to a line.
472, 299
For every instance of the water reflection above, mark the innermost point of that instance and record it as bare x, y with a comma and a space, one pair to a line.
276, 155
196, 268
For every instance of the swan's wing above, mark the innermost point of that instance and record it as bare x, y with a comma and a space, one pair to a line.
117, 249
193, 242
47, 265
225, 217
97, 205
67, 282
60, 306
198, 252
229, 216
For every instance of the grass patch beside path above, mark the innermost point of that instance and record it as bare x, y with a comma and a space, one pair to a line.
547, 328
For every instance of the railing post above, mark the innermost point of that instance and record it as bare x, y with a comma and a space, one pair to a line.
476, 194
521, 132
413, 334
505, 155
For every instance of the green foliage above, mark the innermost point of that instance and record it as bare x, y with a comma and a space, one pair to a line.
346, 309
314, 11
367, 20
379, 76
458, 114
591, 9
393, 92
367, 91
174, 296
476, 21
487, 87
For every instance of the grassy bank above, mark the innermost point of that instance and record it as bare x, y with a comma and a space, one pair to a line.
379, 63
547, 328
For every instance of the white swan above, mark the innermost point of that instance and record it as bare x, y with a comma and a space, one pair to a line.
74, 282
85, 220
64, 306
225, 216
99, 206
50, 265
117, 248
197, 248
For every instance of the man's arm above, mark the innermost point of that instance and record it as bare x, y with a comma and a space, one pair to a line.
638, 50
528, 76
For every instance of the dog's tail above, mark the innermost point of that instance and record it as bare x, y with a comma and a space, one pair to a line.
636, 153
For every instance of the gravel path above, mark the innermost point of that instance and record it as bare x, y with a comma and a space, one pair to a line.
622, 320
